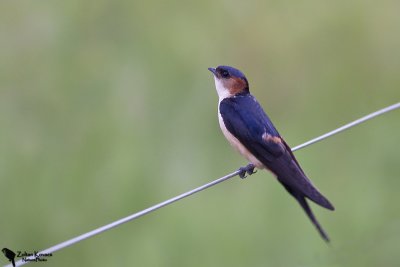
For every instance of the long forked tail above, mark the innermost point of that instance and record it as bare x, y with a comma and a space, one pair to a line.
303, 203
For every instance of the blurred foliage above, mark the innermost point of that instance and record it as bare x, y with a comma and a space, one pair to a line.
107, 107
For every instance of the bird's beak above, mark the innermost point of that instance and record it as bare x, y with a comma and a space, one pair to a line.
214, 71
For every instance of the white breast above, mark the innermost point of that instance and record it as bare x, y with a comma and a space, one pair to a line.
238, 145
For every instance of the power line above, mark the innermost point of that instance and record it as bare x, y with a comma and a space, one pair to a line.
198, 189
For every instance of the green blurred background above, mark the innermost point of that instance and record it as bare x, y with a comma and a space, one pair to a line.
107, 107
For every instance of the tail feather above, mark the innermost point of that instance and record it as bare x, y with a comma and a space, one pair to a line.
291, 175
303, 203
313, 194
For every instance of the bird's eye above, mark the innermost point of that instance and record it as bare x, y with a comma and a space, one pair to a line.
225, 74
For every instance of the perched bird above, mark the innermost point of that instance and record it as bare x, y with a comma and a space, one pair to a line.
10, 255
249, 130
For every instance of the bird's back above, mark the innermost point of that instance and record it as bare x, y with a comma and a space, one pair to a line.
245, 119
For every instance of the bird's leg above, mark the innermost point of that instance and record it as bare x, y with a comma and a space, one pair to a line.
249, 169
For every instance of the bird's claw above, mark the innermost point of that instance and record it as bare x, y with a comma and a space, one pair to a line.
249, 169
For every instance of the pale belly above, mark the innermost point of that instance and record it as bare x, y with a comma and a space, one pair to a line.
238, 145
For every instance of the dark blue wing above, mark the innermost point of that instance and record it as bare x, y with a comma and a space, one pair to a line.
246, 120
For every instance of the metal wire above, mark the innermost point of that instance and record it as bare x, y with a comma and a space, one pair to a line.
196, 190
349, 125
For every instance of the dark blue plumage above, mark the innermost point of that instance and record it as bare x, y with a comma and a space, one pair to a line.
233, 72
250, 130
247, 121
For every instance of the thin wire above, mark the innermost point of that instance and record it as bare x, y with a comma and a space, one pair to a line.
349, 125
196, 190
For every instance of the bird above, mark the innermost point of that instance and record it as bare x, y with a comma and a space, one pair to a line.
10, 255
250, 131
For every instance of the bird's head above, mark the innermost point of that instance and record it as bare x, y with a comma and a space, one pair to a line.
229, 81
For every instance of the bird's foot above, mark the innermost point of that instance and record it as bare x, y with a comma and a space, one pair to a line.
249, 169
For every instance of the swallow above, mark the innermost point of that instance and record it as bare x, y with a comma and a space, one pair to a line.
10, 255
249, 130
